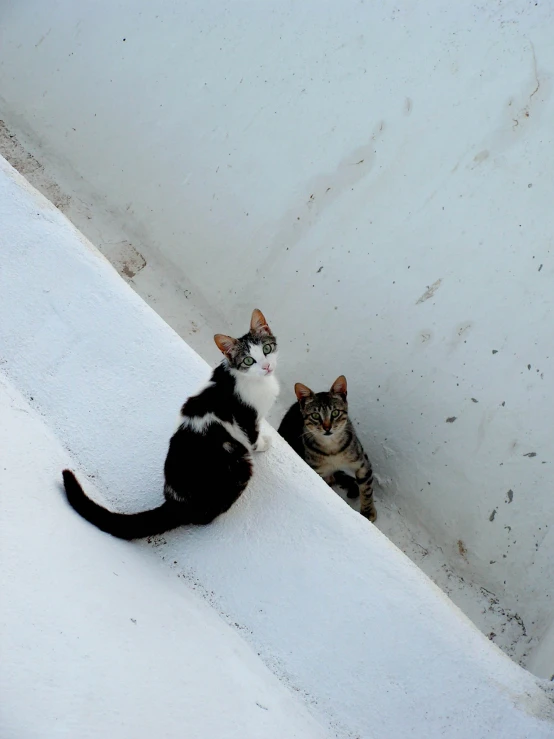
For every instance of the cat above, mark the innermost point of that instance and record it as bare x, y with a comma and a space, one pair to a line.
319, 431
209, 464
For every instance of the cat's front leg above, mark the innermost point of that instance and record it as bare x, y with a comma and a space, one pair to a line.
364, 478
348, 484
262, 443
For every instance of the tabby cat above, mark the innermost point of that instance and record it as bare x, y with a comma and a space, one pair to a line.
208, 464
319, 430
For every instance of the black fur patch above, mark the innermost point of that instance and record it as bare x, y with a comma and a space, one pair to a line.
221, 400
205, 472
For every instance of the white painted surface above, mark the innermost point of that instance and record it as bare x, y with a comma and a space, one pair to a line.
343, 618
97, 639
241, 148
543, 655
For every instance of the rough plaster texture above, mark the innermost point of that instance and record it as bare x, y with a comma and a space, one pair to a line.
333, 609
96, 639
385, 169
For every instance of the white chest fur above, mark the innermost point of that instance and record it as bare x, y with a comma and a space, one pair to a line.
258, 392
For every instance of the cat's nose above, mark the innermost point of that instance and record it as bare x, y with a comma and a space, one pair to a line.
266, 367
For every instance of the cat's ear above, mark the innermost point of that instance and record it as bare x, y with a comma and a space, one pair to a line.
339, 386
258, 324
302, 392
225, 344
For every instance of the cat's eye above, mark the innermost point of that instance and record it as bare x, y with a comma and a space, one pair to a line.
315, 417
268, 348
335, 414
248, 361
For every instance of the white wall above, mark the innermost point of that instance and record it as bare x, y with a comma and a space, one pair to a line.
331, 163
97, 639
342, 617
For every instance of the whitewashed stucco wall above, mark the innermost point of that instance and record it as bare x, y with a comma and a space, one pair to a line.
379, 179
348, 624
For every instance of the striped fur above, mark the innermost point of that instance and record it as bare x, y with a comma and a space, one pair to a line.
319, 430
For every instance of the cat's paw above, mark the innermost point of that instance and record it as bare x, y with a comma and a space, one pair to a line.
262, 444
370, 513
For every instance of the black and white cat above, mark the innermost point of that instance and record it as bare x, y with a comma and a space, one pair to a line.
209, 464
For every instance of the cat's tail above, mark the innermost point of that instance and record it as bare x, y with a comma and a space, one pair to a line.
124, 526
